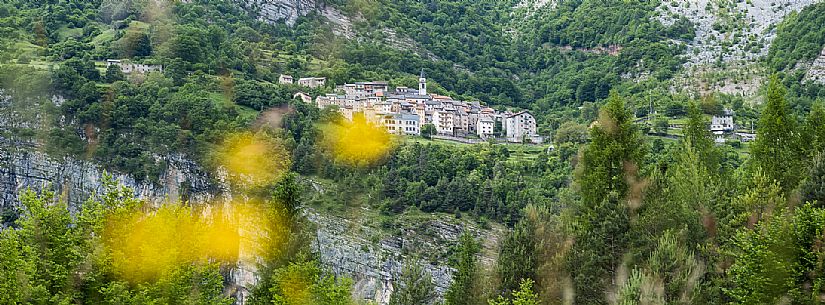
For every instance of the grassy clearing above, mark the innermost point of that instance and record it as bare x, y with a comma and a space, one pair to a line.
139, 25
246, 113
104, 38
518, 152
66, 32
524, 153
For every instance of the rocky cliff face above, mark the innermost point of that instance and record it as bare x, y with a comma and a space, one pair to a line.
361, 250
287, 11
816, 73
22, 167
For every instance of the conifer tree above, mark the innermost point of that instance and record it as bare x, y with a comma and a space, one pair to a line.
523, 296
465, 289
414, 287
605, 171
607, 162
813, 188
517, 259
697, 135
813, 133
776, 150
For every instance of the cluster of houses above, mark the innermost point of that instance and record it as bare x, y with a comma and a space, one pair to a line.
723, 128
129, 68
309, 82
406, 110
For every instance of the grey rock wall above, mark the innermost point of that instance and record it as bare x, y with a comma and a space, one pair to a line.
22, 167
287, 11
816, 73
374, 259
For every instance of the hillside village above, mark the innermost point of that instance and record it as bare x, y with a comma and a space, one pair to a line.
406, 111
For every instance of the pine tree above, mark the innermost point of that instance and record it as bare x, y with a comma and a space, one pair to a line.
523, 296
813, 133
602, 217
616, 147
517, 259
776, 150
464, 289
813, 188
414, 287
697, 135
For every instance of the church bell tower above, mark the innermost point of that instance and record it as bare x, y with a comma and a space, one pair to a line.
422, 84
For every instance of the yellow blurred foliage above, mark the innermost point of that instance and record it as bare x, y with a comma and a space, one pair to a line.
357, 143
254, 159
143, 246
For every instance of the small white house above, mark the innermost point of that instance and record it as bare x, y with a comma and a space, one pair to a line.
485, 127
285, 79
312, 82
304, 97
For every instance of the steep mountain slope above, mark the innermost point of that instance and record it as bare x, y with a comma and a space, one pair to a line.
730, 30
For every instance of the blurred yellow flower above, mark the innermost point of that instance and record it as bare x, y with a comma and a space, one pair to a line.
357, 143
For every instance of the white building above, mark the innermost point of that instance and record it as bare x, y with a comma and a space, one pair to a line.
129, 68
285, 79
304, 97
723, 124
485, 127
382, 107
312, 82
324, 101
365, 88
520, 126
444, 121
402, 123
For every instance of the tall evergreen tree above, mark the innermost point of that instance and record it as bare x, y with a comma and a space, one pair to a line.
813, 188
605, 171
414, 287
697, 135
465, 289
516, 260
616, 148
813, 132
776, 150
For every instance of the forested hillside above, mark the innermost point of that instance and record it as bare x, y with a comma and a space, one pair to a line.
799, 41
633, 200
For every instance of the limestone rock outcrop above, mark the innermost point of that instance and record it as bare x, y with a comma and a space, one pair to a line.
287, 11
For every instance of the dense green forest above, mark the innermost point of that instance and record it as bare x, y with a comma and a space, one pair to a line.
616, 212
799, 40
